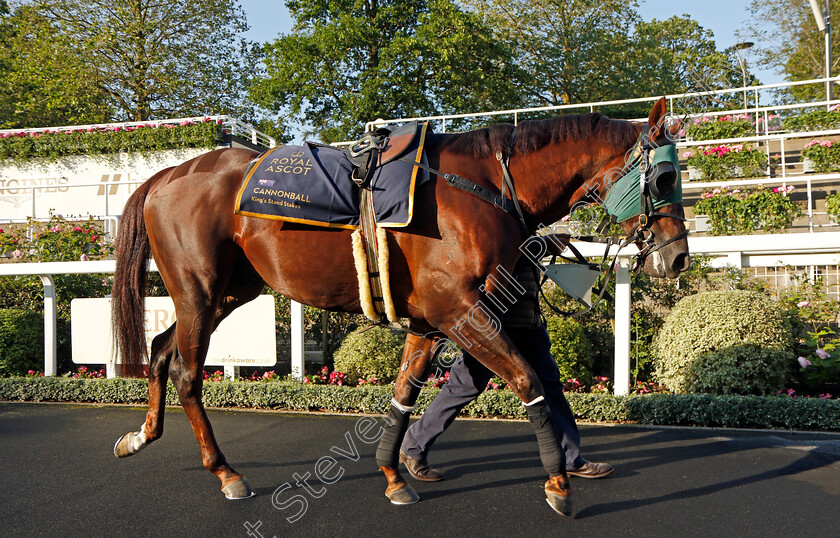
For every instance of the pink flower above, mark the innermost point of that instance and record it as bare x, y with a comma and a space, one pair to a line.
737, 147
84, 258
688, 154
803, 304
716, 191
825, 395
834, 107
822, 354
17, 253
826, 143
790, 392
803, 362
812, 143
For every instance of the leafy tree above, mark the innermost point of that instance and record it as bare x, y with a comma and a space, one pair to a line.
677, 55
43, 82
573, 51
790, 43
160, 59
350, 61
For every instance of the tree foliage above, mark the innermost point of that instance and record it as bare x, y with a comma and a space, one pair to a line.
43, 81
159, 58
790, 43
350, 61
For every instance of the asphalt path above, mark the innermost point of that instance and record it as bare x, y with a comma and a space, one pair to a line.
60, 478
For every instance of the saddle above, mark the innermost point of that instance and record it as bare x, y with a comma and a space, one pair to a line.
379, 147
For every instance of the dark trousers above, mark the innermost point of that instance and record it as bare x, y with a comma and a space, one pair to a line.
468, 378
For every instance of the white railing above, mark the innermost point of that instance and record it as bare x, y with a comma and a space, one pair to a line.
736, 251
675, 105
231, 124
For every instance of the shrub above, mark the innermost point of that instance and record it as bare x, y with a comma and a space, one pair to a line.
816, 120
21, 146
824, 154
832, 206
724, 342
741, 212
571, 349
21, 341
727, 161
721, 127
370, 352
662, 409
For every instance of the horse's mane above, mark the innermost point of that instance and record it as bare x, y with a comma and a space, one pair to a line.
532, 135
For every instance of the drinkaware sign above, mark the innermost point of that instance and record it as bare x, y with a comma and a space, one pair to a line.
245, 338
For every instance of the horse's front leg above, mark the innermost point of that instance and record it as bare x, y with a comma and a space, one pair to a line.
482, 335
417, 354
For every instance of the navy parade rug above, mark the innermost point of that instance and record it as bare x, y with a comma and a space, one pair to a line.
311, 184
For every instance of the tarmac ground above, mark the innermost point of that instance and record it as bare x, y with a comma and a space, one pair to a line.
315, 475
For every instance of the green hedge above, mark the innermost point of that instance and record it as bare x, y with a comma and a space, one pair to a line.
54, 145
732, 411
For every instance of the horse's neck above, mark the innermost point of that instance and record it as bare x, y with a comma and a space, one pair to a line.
561, 176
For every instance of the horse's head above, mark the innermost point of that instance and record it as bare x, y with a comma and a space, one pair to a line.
645, 198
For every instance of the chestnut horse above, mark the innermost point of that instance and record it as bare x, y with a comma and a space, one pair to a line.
213, 261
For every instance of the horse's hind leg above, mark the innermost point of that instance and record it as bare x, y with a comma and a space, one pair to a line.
163, 349
199, 319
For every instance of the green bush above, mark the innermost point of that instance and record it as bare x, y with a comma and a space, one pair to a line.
724, 342
571, 349
832, 206
742, 212
369, 353
19, 147
823, 154
720, 127
21, 341
816, 120
656, 409
727, 161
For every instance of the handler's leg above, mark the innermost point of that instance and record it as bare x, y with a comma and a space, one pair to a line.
467, 379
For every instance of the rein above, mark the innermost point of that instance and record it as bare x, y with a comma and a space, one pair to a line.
644, 161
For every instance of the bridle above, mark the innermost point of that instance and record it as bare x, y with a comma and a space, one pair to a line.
649, 181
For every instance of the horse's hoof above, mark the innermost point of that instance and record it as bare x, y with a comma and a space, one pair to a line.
129, 444
559, 503
238, 490
404, 495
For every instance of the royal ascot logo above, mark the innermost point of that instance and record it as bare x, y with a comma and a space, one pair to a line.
294, 164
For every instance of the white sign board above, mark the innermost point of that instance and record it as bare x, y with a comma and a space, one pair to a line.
79, 185
245, 338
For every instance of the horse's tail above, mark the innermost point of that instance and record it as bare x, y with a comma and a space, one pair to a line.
132, 251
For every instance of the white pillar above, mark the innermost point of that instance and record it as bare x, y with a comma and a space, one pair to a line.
231, 372
50, 355
622, 329
297, 340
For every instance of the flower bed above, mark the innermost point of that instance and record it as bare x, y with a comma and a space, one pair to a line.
736, 212
730, 126
23, 145
727, 161
656, 409
824, 155
817, 120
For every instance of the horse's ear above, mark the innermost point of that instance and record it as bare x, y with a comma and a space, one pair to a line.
657, 118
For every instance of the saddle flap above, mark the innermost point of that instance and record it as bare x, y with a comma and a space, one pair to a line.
398, 142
